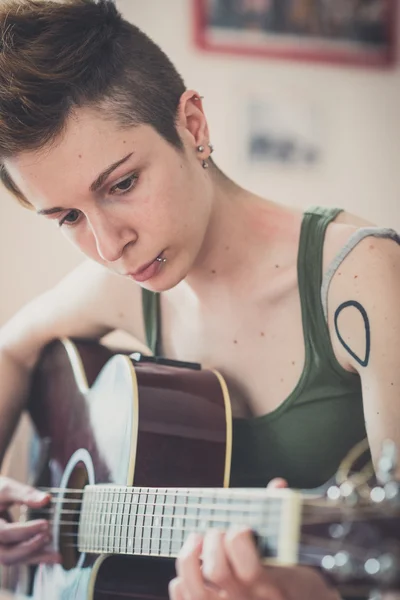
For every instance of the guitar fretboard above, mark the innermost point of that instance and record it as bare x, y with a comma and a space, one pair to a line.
156, 522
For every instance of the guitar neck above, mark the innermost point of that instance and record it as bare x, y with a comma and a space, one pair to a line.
156, 522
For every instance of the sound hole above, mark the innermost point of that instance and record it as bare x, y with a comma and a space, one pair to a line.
70, 514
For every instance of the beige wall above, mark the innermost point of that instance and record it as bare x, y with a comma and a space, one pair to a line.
360, 114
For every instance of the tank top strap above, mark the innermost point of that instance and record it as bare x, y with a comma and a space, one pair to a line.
151, 318
310, 275
352, 242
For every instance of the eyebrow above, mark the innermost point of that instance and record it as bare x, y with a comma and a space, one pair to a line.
96, 185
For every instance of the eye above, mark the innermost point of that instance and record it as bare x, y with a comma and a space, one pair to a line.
124, 186
70, 218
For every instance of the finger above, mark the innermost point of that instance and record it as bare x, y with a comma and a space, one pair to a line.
12, 533
10, 555
216, 568
175, 589
14, 492
188, 566
49, 558
243, 555
277, 483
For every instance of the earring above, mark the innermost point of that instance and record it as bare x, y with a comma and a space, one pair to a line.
211, 148
200, 148
205, 164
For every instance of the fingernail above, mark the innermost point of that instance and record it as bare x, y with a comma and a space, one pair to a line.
37, 496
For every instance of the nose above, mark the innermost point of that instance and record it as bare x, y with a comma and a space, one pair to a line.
111, 238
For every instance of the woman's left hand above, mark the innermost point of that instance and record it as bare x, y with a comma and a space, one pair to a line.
228, 566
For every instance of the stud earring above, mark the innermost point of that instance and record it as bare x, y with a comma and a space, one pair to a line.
211, 148
200, 148
205, 164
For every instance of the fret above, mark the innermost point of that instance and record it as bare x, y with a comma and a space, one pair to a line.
139, 523
193, 512
178, 522
166, 524
221, 516
157, 523
107, 511
134, 500
118, 525
124, 522
204, 513
164, 537
172, 544
101, 519
94, 526
82, 541
90, 523
114, 515
147, 523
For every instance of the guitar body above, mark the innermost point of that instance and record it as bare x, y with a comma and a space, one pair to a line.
104, 419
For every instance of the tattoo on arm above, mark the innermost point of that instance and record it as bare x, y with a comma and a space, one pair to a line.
362, 361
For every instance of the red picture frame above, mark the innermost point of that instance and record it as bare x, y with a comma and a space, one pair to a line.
233, 36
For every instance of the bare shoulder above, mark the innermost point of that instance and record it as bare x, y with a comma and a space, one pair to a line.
89, 302
371, 249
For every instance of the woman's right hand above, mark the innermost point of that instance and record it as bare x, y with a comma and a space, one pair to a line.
27, 542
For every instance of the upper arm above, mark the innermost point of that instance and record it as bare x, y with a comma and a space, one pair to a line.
89, 303
364, 319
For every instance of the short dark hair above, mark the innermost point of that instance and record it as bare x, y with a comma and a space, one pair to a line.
56, 56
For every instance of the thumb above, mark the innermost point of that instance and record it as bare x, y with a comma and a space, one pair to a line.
277, 484
13, 492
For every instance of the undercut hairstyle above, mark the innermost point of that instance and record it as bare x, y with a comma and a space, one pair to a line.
56, 57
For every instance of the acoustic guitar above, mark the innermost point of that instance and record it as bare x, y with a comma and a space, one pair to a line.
136, 455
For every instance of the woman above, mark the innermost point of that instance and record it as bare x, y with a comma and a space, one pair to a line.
99, 134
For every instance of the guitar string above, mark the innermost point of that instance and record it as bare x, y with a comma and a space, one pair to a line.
215, 518
229, 494
307, 512
137, 529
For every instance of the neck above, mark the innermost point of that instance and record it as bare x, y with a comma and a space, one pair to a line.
240, 232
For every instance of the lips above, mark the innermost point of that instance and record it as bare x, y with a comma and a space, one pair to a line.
143, 268
147, 271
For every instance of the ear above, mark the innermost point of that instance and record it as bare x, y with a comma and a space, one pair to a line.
191, 120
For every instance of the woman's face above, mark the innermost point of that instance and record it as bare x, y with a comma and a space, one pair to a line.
125, 197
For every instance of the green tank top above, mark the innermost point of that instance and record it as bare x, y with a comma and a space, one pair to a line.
305, 439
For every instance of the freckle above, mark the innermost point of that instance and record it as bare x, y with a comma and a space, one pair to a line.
371, 247
226, 247
377, 413
392, 383
124, 141
355, 276
235, 341
262, 334
120, 315
339, 273
213, 271
293, 362
276, 266
80, 155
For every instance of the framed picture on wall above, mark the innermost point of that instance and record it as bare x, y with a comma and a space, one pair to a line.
352, 32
